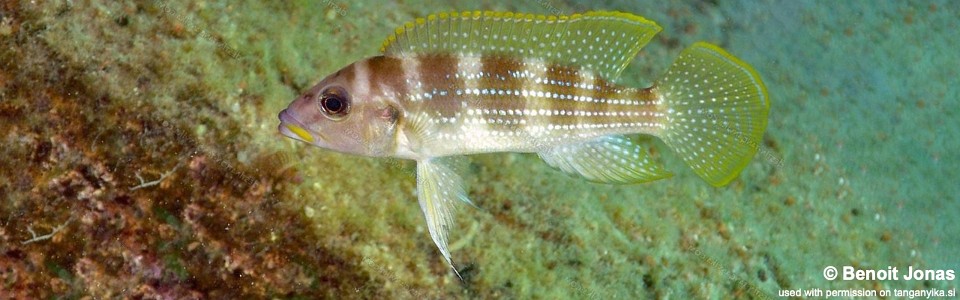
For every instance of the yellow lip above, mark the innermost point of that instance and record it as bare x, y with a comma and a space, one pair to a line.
300, 132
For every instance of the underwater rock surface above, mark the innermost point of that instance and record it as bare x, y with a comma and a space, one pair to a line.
140, 158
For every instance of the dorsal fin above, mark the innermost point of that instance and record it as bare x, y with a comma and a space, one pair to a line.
601, 41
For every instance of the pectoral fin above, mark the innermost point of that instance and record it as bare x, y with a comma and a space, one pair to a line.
439, 188
608, 159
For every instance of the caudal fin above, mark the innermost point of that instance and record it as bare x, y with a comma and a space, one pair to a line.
716, 108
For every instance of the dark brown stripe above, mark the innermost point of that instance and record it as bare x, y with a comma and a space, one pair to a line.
349, 74
435, 67
438, 71
498, 74
385, 70
497, 77
608, 92
647, 95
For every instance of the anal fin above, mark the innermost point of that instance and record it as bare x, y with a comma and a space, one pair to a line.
607, 159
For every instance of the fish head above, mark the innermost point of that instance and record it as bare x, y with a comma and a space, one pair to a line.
342, 114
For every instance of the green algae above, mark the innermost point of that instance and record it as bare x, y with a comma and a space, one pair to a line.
96, 124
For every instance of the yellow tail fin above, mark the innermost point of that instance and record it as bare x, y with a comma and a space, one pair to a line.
716, 108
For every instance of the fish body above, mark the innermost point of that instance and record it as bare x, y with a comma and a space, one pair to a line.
459, 105
482, 82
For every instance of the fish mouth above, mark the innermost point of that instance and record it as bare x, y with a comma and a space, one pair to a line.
291, 128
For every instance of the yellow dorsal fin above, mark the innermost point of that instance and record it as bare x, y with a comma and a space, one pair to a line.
601, 41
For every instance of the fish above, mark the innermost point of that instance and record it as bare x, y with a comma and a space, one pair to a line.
462, 83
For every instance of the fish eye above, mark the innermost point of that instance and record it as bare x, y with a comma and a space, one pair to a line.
334, 103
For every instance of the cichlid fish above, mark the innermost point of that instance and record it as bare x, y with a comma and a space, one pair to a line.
455, 84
